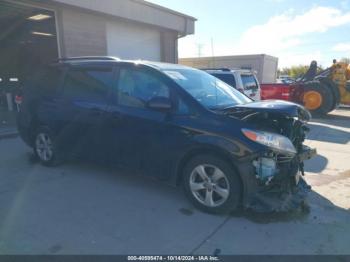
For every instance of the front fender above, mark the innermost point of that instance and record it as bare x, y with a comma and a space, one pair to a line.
233, 151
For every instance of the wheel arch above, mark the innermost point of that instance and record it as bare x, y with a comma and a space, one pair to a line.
206, 150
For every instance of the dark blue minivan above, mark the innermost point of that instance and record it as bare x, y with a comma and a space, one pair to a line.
176, 123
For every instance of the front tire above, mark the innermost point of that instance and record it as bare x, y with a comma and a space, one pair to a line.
211, 184
317, 98
44, 147
335, 91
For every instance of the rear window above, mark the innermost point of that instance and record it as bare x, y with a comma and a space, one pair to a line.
227, 78
249, 82
45, 81
88, 83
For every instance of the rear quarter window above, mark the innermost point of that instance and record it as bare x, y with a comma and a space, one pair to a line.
45, 81
249, 81
227, 78
88, 83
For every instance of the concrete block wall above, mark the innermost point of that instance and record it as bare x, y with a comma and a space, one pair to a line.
82, 34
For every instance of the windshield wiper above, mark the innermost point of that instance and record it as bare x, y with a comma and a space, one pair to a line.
224, 109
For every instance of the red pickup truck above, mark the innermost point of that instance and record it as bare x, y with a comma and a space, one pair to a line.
318, 91
288, 92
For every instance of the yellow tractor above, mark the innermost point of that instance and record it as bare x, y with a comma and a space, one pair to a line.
326, 90
340, 75
320, 92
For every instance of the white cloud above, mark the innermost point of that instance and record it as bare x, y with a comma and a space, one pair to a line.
282, 36
289, 58
285, 31
342, 47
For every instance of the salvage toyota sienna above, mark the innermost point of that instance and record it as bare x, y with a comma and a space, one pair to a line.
176, 123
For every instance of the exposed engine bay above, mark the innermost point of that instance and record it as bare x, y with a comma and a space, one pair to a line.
279, 185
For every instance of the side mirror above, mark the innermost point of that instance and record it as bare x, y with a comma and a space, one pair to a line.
159, 103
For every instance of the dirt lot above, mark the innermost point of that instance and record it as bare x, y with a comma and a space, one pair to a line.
81, 208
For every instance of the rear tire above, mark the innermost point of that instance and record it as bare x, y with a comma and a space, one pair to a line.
211, 184
318, 98
44, 147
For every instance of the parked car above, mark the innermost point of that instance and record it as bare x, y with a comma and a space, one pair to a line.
172, 122
285, 79
243, 80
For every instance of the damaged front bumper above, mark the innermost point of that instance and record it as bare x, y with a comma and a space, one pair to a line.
283, 191
280, 201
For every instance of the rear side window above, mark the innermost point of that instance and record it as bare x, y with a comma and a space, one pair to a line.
88, 83
249, 82
46, 81
227, 78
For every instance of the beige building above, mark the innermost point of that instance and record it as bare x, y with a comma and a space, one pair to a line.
265, 65
37, 31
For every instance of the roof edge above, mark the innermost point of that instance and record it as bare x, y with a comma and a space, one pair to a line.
226, 56
150, 4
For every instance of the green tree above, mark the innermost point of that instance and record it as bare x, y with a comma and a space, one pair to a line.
297, 71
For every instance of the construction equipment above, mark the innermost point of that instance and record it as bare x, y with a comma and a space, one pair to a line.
340, 75
320, 92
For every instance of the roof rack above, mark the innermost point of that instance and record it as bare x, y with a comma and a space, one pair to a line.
79, 58
218, 69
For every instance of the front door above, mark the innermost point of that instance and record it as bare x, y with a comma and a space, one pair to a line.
140, 135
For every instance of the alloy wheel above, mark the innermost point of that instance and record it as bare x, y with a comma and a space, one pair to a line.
44, 147
209, 185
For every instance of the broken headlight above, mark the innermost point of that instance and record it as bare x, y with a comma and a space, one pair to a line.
276, 142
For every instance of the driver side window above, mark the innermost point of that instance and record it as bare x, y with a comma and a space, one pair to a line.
136, 88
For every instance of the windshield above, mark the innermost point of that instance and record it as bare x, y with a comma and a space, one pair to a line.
208, 90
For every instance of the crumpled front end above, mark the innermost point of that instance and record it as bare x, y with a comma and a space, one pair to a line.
273, 181
278, 184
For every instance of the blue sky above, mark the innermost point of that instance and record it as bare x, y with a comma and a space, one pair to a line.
295, 31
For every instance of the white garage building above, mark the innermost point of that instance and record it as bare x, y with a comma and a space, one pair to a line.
129, 29
34, 32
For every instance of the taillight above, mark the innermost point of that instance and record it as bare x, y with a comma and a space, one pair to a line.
18, 99
285, 93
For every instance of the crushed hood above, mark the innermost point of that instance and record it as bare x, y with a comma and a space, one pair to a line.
278, 107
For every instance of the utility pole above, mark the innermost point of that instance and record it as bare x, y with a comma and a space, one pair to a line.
212, 53
199, 49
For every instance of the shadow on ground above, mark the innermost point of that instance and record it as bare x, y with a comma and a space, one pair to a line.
301, 214
129, 180
328, 134
334, 119
316, 164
